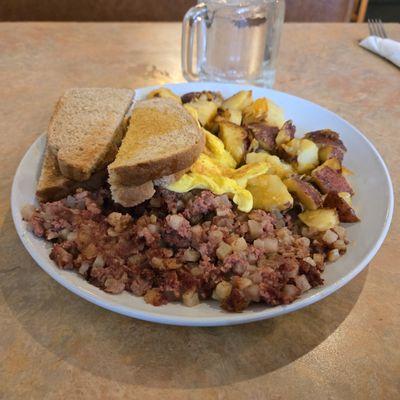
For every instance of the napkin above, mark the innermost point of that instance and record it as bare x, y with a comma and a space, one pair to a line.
387, 48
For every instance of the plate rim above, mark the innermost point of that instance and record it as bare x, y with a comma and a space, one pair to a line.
218, 320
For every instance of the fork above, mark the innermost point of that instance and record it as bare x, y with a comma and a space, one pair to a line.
376, 28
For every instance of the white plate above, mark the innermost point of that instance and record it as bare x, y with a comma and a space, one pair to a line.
373, 200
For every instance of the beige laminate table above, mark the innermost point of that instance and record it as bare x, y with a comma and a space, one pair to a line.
54, 345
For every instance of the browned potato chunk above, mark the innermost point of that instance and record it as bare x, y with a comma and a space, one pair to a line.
327, 152
326, 137
342, 203
333, 163
253, 146
234, 116
239, 100
205, 95
306, 153
275, 116
256, 111
329, 144
306, 193
329, 180
321, 219
286, 133
307, 158
234, 138
164, 93
269, 193
264, 134
346, 171
292, 147
265, 110
206, 111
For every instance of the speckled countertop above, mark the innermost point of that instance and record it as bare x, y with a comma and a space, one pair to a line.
54, 345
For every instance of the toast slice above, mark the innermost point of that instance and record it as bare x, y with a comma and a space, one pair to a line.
86, 129
52, 185
162, 139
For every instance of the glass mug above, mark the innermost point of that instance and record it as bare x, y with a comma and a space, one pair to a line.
232, 40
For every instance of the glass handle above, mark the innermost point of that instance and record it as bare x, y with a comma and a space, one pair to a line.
190, 69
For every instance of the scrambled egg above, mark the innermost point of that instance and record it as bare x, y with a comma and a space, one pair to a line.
214, 170
216, 149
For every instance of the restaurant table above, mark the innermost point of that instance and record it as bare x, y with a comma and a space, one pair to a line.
55, 345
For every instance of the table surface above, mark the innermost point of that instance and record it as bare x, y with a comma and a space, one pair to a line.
54, 345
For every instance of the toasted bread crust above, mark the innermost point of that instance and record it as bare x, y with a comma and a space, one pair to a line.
87, 128
52, 185
158, 120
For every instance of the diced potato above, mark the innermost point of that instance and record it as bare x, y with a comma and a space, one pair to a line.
306, 193
346, 197
275, 116
240, 282
190, 298
205, 95
234, 139
223, 250
164, 93
256, 111
346, 171
307, 158
238, 101
248, 171
256, 157
222, 291
327, 152
217, 149
333, 163
276, 165
264, 134
279, 167
231, 115
292, 147
321, 219
235, 117
306, 153
342, 202
326, 137
286, 133
206, 110
269, 193
254, 145
329, 180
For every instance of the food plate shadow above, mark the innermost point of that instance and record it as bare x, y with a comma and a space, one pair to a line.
123, 349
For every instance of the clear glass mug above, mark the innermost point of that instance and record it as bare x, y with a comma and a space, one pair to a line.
232, 40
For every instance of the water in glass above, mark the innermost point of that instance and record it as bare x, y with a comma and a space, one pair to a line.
240, 40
